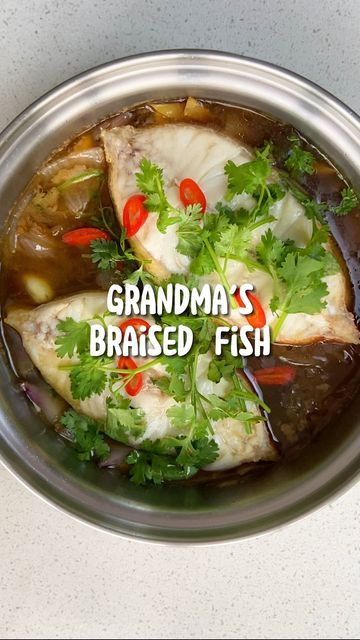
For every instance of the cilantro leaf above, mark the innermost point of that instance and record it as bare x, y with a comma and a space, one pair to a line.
89, 377
330, 264
233, 240
202, 452
276, 192
224, 366
74, 337
207, 261
174, 458
271, 251
297, 273
175, 364
182, 416
231, 215
218, 369
150, 467
173, 386
150, 181
230, 407
189, 280
215, 224
349, 200
124, 423
203, 263
299, 161
306, 290
314, 211
317, 249
205, 336
188, 232
140, 275
253, 178
86, 435
105, 254
249, 176
202, 327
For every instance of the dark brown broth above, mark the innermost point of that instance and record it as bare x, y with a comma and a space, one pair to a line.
327, 375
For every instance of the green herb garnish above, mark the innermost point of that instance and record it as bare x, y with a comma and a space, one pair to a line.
175, 458
105, 254
297, 274
249, 177
150, 181
349, 200
299, 161
89, 376
74, 337
86, 435
124, 423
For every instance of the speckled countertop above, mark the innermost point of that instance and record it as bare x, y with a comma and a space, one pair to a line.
62, 579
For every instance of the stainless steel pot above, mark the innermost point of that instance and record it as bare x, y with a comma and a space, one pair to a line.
38, 456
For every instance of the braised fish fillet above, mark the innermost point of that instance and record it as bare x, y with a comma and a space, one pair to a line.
38, 330
185, 150
182, 151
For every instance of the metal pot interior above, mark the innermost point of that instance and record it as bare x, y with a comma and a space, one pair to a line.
41, 459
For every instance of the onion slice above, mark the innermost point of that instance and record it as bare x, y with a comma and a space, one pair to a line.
117, 455
90, 157
45, 400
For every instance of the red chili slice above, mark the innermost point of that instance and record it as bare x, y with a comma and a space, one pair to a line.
190, 193
136, 323
135, 384
257, 317
275, 375
134, 214
84, 236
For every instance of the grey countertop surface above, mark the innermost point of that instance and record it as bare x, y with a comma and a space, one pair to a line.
60, 578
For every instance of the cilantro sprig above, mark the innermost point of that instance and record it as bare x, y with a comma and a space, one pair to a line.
74, 337
168, 458
253, 178
189, 239
150, 181
150, 467
123, 422
349, 200
177, 457
299, 161
226, 234
117, 256
89, 376
297, 273
106, 254
86, 435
